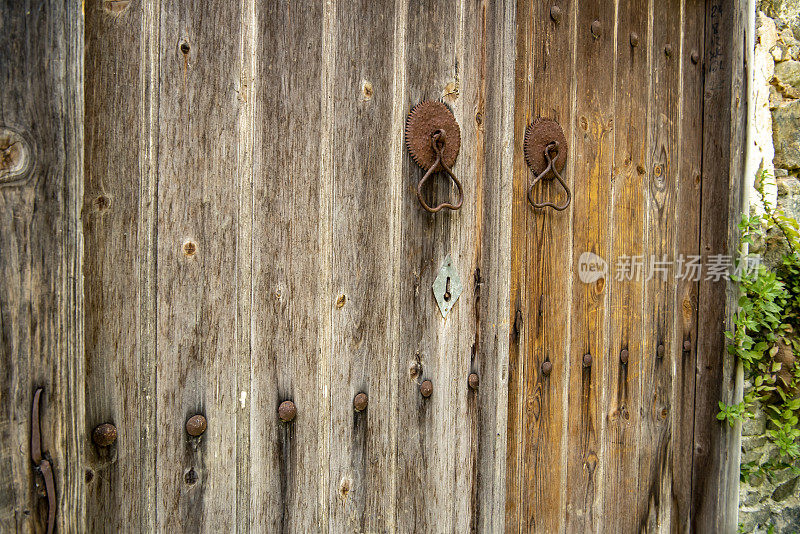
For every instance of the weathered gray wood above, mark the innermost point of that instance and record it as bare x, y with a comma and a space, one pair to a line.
290, 268
431, 348
715, 468
623, 379
197, 234
41, 291
119, 265
363, 174
541, 279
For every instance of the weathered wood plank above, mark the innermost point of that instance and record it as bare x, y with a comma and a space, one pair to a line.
592, 146
429, 347
540, 279
623, 377
487, 108
687, 220
289, 281
197, 226
484, 109
660, 187
118, 232
715, 469
41, 293
361, 172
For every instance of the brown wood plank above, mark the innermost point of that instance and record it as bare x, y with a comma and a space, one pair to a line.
623, 375
592, 146
120, 370
289, 281
715, 468
41, 285
660, 186
361, 489
197, 226
540, 280
687, 216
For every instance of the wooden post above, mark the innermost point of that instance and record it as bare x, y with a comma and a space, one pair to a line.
715, 473
41, 288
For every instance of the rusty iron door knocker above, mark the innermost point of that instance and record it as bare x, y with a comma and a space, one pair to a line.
433, 139
546, 154
42, 464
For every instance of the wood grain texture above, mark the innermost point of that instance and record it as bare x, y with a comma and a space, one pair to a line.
361, 496
687, 221
196, 228
541, 279
623, 379
715, 467
41, 246
660, 194
592, 143
288, 279
118, 266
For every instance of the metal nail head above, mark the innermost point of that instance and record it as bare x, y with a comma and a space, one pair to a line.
547, 367
426, 388
287, 411
360, 402
587, 360
196, 425
104, 435
473, 381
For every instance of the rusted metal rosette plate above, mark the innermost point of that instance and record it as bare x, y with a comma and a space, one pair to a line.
423, 120
538, 135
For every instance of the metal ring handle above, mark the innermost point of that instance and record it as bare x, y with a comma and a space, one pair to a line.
550, 167
438, 139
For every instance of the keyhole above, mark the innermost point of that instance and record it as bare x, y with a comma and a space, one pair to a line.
447, 290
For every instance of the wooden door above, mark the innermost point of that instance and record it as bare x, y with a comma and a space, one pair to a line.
610, 421
251, 236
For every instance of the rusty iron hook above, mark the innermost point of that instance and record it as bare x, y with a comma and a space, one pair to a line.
552, 147
437, 143
42, 464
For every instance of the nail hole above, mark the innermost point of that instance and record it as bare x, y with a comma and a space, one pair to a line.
190, 477
185, 48
189, 248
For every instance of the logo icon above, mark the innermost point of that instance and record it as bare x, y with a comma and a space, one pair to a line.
591, 267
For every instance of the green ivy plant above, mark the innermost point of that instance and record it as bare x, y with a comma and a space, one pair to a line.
765, 324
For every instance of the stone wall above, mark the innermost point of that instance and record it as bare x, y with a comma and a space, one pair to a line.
772, 504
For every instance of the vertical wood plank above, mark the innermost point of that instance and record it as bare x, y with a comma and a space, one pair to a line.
660, 195
623, 375
483, 108
715, 467
541, 278
41, 293
118, 233
362, 130
687, 220
289, 280
198, 193
592, 145
429, 347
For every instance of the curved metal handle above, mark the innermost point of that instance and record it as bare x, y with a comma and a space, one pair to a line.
41, 463
437, 143
550, 167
